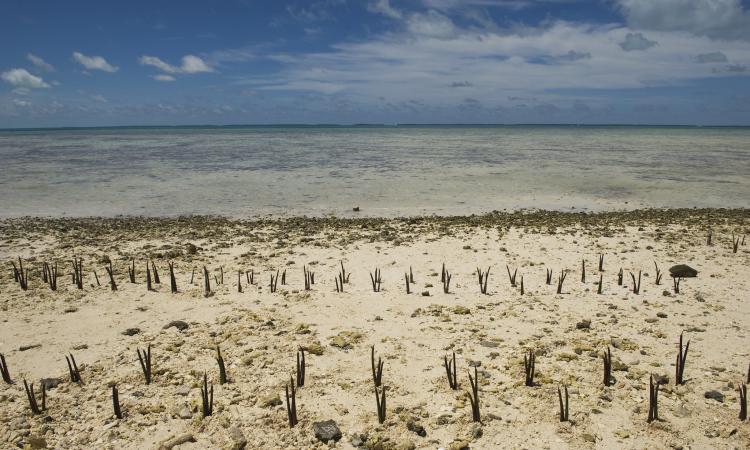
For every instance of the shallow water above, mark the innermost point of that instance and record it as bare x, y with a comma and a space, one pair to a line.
387, 171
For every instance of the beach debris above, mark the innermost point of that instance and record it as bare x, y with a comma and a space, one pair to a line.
156, 272
207, 399
658, 274
145, 359
116, 402
680, 364
607, 358
743, 401
75, 374
301, 367
583, 271
563, 405
601, 262
474, 396
274, 281
206, 283
291, 407
522, 290
283, 278
78, 272
148, 278
529, 366
512, 277
309, 278
653, 400
222, 367
411, 275
561, 280
4, 370
376, 280
636, 286
377, 370
483, 278
131, 271
599, 286
380, 403
50, 275
326, 431
31, 396
110, 272
451, 371
172, 279
549, 277
447, 282
406, 280
682, 271
619, 277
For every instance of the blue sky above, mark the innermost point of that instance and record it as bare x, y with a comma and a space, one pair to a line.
98, 63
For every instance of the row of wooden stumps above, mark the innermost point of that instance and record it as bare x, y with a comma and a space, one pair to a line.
207, 391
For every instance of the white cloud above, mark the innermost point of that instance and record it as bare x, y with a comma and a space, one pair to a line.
713, 57
636, 41
721, 19
384, 7
39, 62
22, 79
190, 64
162, 77
431, 24
94, 63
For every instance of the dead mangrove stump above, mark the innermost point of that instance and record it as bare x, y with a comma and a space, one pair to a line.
291, 403
145, 360
451, 371
529, 366
680, 362
563, 405
207, 399
474, 396
377, 370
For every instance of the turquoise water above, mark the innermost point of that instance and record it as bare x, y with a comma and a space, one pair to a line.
386, 171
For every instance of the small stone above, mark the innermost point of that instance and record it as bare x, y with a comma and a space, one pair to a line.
183, 390
175, 441
459, 445
425, 293
185, 413
327, 431
50, 383
239, 441
588, 437
355, 209
315, 349
461, 310
488, 344
191, 249
714, 395
35, 442
131, 331
661, 315
179, 324
616, 343
23, 348
476, 432
416, 427
584, 324
269, 401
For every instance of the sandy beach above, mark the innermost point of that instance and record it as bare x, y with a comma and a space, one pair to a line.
260, 332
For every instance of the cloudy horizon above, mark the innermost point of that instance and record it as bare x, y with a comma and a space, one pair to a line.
376, 61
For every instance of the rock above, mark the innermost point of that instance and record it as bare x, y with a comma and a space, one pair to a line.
191, 249
269, 401
175, 441
459, 445
345, 340
239, 441
476, 432
183, 390
661, 315
488, 344
50, 383
131, 331
461, 310
185, 413
314, 349
425, 293
23, 348
358, 440
616, 343
355, 209
714, 395
588, 437
35, 442
416, 427
584, 324
681, 411
683, 271
179, 324
326, 431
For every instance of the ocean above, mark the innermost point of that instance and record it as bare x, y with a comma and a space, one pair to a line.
251, 171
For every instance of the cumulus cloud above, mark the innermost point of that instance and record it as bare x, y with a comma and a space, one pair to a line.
39, 62
431, 24
190, 64
712, 57
21, 78
94, 62
384, 7
162, 77
721, 19
636, 41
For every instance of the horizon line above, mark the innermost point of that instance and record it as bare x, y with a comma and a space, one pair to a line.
372, 125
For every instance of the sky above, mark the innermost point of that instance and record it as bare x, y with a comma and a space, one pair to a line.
188, 62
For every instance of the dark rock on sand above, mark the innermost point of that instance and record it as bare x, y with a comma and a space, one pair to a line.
683, 271
131, 331
715, 395
179, 324
327, 431
50, 383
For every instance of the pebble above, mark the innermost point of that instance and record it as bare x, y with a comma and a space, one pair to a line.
326, 431
239, 441
179, 324
714, 395
131, 331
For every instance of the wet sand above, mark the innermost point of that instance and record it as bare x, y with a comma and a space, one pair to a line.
259, 332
